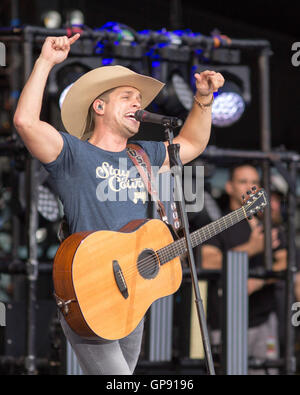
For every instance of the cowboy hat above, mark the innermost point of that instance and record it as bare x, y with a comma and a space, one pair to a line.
87, 88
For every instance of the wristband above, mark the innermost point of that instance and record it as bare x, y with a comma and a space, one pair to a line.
201, 105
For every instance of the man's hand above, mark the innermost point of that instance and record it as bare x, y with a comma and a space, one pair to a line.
56, 49
194, 134
257, 240
208, 82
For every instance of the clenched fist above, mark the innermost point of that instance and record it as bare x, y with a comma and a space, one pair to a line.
208, 82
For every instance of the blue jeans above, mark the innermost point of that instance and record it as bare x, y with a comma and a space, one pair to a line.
106, 357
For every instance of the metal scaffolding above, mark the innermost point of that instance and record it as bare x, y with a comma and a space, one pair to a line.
27, 40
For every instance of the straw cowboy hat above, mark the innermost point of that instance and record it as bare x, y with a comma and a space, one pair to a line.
87, 88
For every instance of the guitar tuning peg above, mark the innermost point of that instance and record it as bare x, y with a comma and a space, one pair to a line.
254, 188
248, 192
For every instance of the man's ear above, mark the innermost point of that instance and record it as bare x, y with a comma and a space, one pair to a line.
98, 106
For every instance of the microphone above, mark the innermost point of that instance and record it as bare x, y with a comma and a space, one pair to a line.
146, 116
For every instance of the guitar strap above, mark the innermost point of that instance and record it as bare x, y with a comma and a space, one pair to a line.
142, 163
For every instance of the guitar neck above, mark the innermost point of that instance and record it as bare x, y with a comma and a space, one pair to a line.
199, 236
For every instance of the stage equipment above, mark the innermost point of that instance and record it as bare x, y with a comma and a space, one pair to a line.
96, 47
159, 339
52, 19
169, 62
228, 106
275, 158
75, 18
120, 46
235, 327
177, 97
48, 205
176, 168
62, 78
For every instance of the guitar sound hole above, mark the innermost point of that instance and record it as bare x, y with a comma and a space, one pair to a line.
148, 264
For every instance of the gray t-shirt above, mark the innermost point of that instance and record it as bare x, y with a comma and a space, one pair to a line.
100, 189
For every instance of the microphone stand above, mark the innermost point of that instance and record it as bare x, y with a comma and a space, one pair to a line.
176, 170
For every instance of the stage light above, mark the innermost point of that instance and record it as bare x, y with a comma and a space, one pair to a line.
48, 205
121, 46
65, 78
41, 235
75, 18
51, 19
176, 97
169, 60
5, 242
183, 91
125, 34
63, 95
228, 106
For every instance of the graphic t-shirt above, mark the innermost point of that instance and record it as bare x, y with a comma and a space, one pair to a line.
99, 189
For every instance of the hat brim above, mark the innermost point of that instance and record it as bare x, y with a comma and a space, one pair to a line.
87, 88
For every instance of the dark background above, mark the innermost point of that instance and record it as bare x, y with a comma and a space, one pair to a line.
277, 22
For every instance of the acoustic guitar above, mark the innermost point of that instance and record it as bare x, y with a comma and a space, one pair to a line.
105, 281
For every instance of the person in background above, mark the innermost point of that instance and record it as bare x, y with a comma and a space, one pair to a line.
247, 236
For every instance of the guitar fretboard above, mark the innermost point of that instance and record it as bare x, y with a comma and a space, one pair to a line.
178, 247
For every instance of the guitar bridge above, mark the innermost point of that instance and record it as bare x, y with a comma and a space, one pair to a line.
120, 280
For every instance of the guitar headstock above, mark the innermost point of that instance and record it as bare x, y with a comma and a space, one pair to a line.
256, 202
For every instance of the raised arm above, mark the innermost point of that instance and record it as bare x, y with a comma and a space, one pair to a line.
41, 139
195, 133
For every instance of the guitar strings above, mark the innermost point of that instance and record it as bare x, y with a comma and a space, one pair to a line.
176, 247
147, 263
